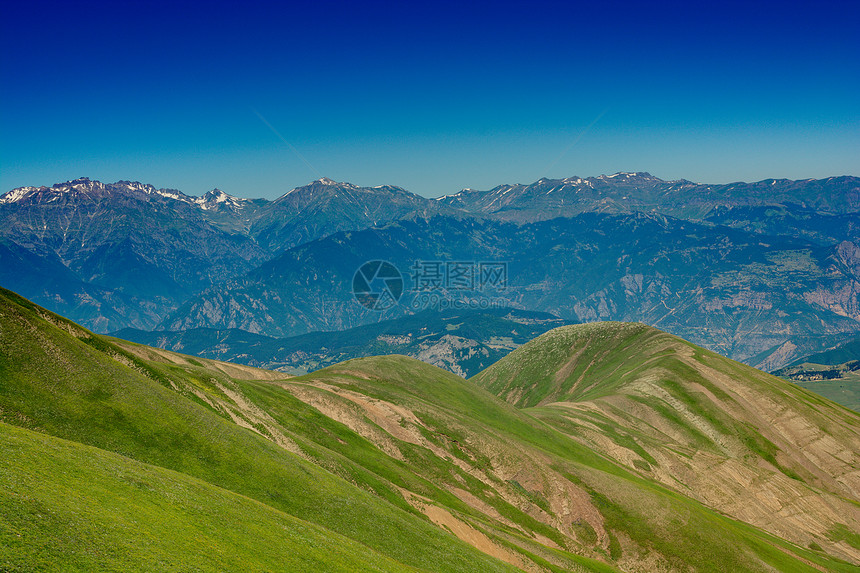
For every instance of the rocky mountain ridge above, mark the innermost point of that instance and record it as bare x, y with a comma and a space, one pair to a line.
723, 288
125, 254
129, 255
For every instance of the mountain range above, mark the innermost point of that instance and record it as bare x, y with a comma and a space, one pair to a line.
763, 272
595, 447
726, 289
125, 254
816, 209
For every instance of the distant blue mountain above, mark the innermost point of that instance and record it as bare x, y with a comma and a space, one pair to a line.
762, 272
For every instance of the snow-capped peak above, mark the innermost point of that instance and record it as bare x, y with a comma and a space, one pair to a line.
171, 194
619, 175
87, 189
53, 193
16, 194
626, 175
321, 181
462, 192
217, 197
333, 183
137, 186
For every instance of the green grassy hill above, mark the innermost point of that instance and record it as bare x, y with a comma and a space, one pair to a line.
496, 470
70, 507
738, 440
387, 463
59, 379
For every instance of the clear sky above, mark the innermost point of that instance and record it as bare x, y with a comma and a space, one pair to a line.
431, 96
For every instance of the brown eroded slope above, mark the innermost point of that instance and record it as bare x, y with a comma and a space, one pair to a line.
741, 441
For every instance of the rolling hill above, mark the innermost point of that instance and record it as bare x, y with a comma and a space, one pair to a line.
62, 381
387, 463
723, 433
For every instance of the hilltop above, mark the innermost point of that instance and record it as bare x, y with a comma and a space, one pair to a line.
721, 432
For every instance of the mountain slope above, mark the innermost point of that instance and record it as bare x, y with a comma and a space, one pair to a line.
738, 440
69, 507
47, 280
131, 252
845, 352
727, 289
324, 207
59, 379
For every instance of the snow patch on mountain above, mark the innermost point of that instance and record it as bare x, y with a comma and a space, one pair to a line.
16, 195
86, 187
215, 198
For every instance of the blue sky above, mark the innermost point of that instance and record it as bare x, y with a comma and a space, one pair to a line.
433, 97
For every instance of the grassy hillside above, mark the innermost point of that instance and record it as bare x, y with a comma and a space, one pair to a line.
498, 477
69, 507
61, 380
740, 441
595, 507
412, 465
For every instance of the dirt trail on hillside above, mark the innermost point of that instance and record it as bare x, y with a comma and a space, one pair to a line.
465, 532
